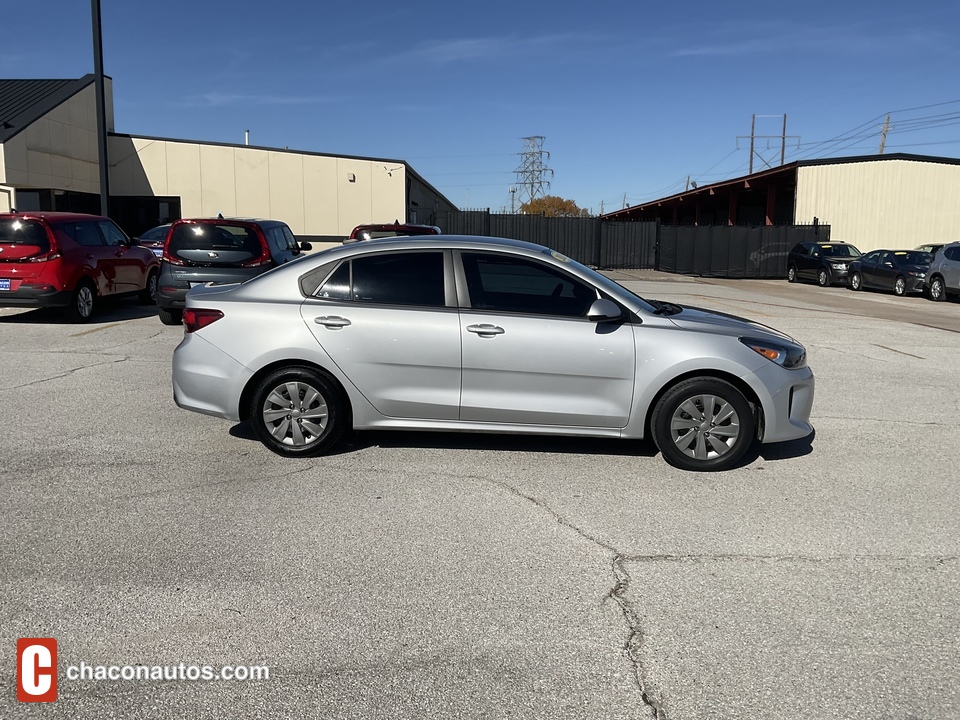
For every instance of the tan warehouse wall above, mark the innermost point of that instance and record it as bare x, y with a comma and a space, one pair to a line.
59, 150
313, 194
888, 204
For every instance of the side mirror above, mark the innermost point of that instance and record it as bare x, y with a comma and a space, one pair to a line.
603, 310
134, 241
306, 246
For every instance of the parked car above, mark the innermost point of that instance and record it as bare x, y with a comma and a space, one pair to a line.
375, 232
930, 247
153, 238
899, 271
487, 335
943, 277
825, 262
70, 261
219, 250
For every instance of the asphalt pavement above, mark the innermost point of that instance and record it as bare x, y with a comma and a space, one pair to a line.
414, 575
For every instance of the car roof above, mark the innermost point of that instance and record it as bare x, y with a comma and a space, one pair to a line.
52, 216
427, 242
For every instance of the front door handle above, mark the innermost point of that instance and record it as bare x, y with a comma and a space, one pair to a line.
485, 329
332, 321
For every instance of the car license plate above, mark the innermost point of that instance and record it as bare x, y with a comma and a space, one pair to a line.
158, 252
4, 283
194, 284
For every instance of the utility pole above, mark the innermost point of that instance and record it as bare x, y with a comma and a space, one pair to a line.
533, 171
754, 152
883, 135
101, 107
513, 200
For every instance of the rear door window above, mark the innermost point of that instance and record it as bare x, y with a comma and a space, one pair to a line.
414, 278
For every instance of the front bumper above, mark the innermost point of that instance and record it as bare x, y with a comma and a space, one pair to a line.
787, 400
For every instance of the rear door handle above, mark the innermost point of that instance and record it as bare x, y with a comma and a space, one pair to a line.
485, 329
332, 321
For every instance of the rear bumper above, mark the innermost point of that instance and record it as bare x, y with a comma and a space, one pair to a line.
207, 380
34, 298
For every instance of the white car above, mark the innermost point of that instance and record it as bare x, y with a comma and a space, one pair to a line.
458, 333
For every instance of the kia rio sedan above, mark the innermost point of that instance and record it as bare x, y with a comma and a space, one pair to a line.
457, 333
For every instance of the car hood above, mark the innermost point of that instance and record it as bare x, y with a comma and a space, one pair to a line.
840, 260
694, 318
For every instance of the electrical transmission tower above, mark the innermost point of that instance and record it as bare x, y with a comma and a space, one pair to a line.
533, 172
766, 156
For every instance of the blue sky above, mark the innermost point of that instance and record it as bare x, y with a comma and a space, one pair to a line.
631, 98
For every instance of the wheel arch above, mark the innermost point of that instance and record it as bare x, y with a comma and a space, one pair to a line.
254, 380
748, 392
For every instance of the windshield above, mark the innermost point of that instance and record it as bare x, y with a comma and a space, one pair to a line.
603, 282
839, 251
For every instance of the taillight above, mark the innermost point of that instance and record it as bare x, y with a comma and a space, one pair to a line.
259, 262
45, 257
197, 318
168, 257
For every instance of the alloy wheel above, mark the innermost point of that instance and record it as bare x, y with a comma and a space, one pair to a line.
705, 427
295, 414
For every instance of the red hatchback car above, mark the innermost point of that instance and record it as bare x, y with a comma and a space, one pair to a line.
69, 260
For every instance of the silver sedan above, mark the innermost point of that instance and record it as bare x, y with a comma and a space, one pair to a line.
458, 333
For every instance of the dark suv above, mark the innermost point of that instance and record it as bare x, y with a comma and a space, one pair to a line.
825, 262
943, 277
70, 261
218, 250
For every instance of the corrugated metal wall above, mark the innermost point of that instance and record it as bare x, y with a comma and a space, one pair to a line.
888, 204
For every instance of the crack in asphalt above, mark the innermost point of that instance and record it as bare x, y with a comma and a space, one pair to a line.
633, 645
69, 372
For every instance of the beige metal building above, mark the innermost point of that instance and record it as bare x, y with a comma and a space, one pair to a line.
872, 201
49, 161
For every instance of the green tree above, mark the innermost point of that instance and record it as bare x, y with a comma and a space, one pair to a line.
553, 206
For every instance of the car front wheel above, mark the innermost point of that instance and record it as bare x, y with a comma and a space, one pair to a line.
899, 286
792, 274
856, 282
938, 292
823, 277
703, 424
297, 412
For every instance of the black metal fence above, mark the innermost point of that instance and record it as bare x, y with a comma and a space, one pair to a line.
722, 251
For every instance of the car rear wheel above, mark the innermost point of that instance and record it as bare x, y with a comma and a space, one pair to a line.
297, 412
81, 305
792, 273
856, 282
899, 286
148, 296
170, 317
703, 424
823, 277
938, 292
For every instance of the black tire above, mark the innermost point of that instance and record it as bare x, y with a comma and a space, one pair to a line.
82, 302
170, 317
938, 291
148, 296
792, 273
823, 277
693, 442
285, 405
856, 282
900, 286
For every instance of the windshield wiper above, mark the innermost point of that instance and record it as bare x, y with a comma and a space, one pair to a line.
665, 308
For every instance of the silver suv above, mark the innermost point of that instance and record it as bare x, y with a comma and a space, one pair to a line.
943, 278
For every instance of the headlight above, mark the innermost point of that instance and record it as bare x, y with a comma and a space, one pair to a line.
917, 274
786, 355
841, 266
